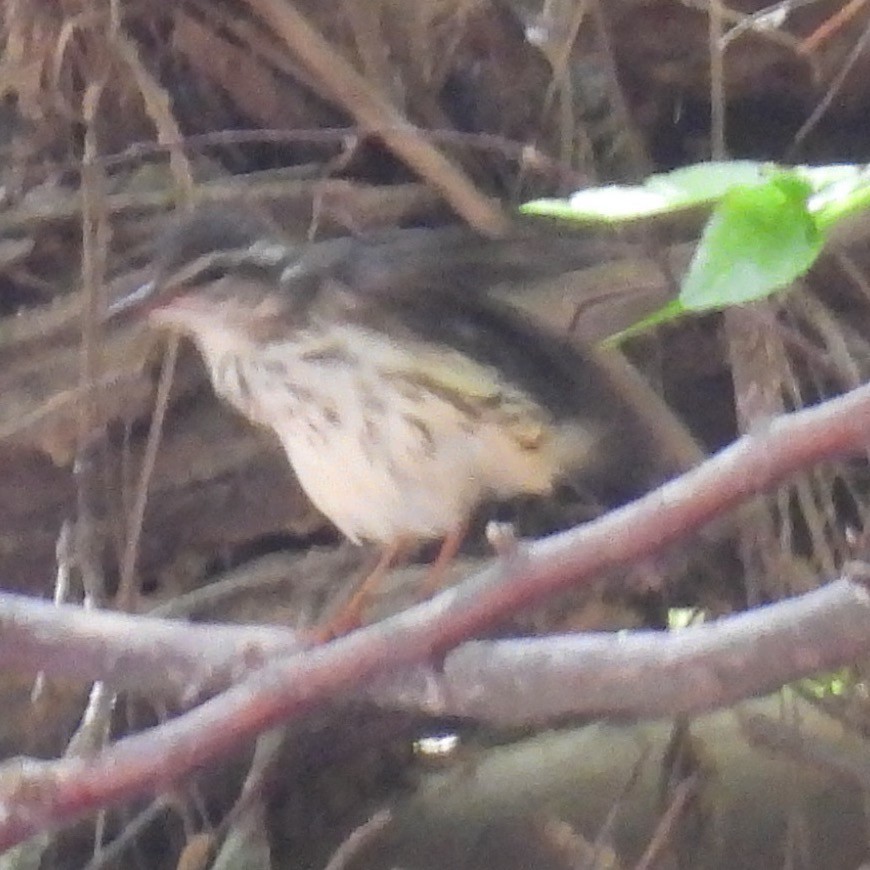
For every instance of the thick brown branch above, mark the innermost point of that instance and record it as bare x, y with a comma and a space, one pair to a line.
157, 657
651, 673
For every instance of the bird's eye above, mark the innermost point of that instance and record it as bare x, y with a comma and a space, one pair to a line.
216, 266
209, 273
193, 273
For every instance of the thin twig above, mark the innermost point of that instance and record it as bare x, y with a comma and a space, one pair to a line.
857, 52
127, 591
667, 824
358, 839
350, 90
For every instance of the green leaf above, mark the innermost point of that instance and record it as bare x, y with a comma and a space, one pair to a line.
767, 228
839, 191
689, 187
758, 240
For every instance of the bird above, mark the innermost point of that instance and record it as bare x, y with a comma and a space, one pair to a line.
402, 392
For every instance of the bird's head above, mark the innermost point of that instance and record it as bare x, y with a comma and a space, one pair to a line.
215, 268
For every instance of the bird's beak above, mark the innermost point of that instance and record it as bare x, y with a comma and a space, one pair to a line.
137, 302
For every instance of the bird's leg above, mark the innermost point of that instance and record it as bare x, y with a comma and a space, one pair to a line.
446, 554
349, 616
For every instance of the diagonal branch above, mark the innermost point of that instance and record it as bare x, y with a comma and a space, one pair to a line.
35, 796
373, 112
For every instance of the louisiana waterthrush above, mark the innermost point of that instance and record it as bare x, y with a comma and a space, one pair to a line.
402, 393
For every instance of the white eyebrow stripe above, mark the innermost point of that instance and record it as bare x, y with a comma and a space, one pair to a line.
264, 254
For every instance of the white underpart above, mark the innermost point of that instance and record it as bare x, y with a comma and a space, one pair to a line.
359, 452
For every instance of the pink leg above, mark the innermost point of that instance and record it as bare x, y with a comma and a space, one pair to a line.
350, 615
449, 548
